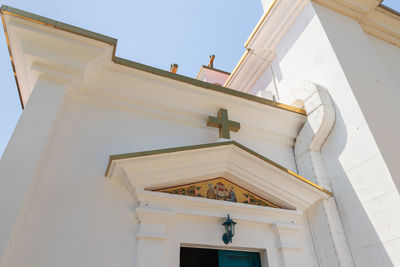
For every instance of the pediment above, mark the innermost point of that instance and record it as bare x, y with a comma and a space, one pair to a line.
178, 167
219, 189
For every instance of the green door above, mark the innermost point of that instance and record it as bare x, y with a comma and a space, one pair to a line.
229, 258
203, 257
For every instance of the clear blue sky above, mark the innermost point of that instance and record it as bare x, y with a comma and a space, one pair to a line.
156, 33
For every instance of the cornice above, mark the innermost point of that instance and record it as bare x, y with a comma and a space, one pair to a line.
121, 61
383, 24
353, 8
260, 46
375, 19
253, 66
213, 69
114, 158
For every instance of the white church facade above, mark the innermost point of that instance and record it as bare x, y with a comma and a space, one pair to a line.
115, 163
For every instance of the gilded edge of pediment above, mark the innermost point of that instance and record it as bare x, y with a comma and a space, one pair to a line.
219, 189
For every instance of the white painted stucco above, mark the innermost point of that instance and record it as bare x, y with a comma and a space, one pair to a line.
360, 73
59, 209
71, 211
389, 55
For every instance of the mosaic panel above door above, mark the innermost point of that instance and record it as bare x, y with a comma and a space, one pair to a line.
219, 189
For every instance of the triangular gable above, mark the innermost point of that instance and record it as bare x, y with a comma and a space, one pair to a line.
180, 166
219, 189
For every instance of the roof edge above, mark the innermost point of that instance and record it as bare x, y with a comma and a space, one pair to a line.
57, 24
389, 11
128, 63
209, 145
259, 23
214, 69
393, 11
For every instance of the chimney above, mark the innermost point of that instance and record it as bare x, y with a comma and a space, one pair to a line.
211, 62
173, 68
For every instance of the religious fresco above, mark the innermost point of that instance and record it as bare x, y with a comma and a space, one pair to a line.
219, 189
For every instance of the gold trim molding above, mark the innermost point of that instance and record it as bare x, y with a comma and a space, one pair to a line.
209, 145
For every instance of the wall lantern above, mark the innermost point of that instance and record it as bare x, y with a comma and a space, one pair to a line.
229, 225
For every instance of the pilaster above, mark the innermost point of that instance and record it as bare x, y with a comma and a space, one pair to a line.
288, 243
152, 236
25, 153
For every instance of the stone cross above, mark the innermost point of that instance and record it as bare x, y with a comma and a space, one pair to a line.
223, 124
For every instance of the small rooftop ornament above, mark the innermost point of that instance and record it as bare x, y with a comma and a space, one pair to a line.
223, 123
173, 68
211, 62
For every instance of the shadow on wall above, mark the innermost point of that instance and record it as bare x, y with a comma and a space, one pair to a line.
306, 45
283, 48
365, 243
296, 30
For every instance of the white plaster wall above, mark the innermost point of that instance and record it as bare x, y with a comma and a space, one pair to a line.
177, 116
389, 55
70, 206
202, 232
72, 215
265, 86
367, 198
375, 90
57, 206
